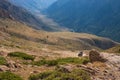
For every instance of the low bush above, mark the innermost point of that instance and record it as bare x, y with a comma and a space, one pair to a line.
61, 61
3, 61
40, 76
21, 55
73, 60
9, 76
45, 62
57, 75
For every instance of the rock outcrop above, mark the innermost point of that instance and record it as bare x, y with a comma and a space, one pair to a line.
12, 64
96, 56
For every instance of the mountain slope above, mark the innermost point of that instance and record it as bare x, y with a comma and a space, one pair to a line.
33, 5
8, 10
24, 37
115, 49
26, 43
100, 17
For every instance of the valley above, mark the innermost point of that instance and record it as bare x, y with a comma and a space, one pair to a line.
43, 45
35, 45
99, 17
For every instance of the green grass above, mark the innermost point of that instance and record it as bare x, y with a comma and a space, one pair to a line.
61, 61
21, 55
73, 60
9, 76
115, 49
3, 61
77, 74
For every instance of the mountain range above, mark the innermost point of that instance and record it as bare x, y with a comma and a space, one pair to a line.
100, 17
24, 16
33, 5
9, 10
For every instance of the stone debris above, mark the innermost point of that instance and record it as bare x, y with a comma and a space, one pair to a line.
12, 64
4, 68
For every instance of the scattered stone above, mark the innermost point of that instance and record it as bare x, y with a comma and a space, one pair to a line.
12, 64
88, 69
2, 53
35, 72
105, 71
4, 68
80, 54
65, 68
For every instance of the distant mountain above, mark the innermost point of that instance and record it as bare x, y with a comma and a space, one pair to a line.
33, 5
100, 17
8, 10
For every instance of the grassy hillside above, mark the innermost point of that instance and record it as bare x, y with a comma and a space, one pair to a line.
115, 49
28, 53
17, 35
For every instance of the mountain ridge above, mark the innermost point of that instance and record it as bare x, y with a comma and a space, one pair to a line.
99, 17
60, 40
24, 16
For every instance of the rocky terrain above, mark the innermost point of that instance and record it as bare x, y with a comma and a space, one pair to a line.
33, 52
102, 66
25, 51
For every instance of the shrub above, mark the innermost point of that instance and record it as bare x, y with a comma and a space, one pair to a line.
73, 60
61, 61
21, 55
52, 62
45, 62
3, 61
9, 76
57, 75
39, 63
40, 76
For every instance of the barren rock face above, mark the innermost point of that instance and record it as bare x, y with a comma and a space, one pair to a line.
95, 56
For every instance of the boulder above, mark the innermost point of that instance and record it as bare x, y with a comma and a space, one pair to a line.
96, 56
80, 54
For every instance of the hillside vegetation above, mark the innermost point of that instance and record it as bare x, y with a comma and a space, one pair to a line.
115, 49
31, 54
17, 35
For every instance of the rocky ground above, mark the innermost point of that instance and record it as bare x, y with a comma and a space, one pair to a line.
102, 65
